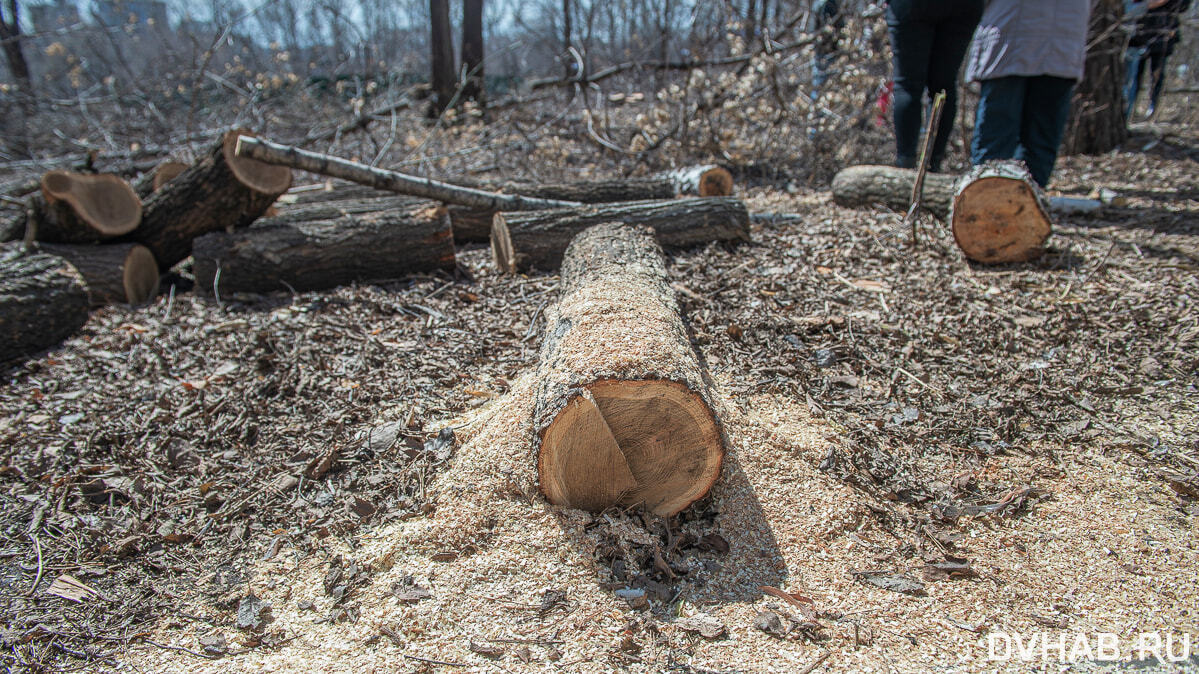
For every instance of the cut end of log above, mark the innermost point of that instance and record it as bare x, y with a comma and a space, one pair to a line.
629, 442
166, 172
501, 245
258, 176
140, 275
104, 201
716, 182
999, 219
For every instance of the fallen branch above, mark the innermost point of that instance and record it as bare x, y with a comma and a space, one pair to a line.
323, 164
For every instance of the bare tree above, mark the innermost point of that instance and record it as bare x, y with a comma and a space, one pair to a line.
441, 41
1097, 121
472, 50
14, 53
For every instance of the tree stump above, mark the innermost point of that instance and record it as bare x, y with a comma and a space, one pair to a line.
527, 239
284, 252
623, 413
118, 273
43, 300
83, 208
221, 191
999, 215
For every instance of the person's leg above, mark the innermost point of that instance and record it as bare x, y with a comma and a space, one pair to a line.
1134, 59
1046, 109
1157, 68
911, 39
997, 124
951, 39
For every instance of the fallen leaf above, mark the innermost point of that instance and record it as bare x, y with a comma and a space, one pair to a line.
771, 623
806, 605
250, 612
707, 626
485, 650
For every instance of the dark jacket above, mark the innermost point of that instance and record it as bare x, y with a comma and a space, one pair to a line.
1030, 38
1157, 29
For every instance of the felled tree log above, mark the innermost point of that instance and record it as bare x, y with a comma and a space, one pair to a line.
43, 300
283, 252
162, 174
118, 273
221, 191
538, 239
83, 208
622, 414
860, 186
702, 181
999, 215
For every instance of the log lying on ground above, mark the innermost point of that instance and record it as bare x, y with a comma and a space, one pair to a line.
43, 300
999, 215
701, 181
861, 186
221, 191
284, 252
154, 180
83, 208
118, 273
520, 241
623, 415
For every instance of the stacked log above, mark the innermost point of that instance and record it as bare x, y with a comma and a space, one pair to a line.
320, 249
83, 208
222, 191
159, 176
119, 273
623, 415
538, 239
43, 300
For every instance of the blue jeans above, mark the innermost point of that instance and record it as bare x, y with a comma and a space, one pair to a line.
1135, 58
1022, 118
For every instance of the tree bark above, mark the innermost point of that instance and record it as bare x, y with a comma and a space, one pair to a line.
1097, 122
860, 186
708, 180
43, 300
118, 273
520, 241
444, 78
999, 215
623, 414
472, 51
282, 253
221, 191
83, 208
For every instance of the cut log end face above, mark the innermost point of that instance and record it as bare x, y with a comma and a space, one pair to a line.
166, 172
998, 220
140, 275
104, 201
258, 176
716, 182
623, 442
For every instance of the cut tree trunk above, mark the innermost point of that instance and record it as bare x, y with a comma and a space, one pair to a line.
155, 179
43, 300
999, 214
221, 191
282, 253
859, 186
520, 241
700, 181
118, 273
623, 415
83, 208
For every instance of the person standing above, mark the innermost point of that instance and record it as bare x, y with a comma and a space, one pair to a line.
928, 40
1026, 55
1154, 37
826, 24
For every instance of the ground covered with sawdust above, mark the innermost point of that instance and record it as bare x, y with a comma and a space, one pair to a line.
923, 455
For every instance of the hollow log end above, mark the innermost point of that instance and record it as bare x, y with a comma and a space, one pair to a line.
501, 245
258, 176
104, 201
140, 275
716, 182
630, 442
999, 220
